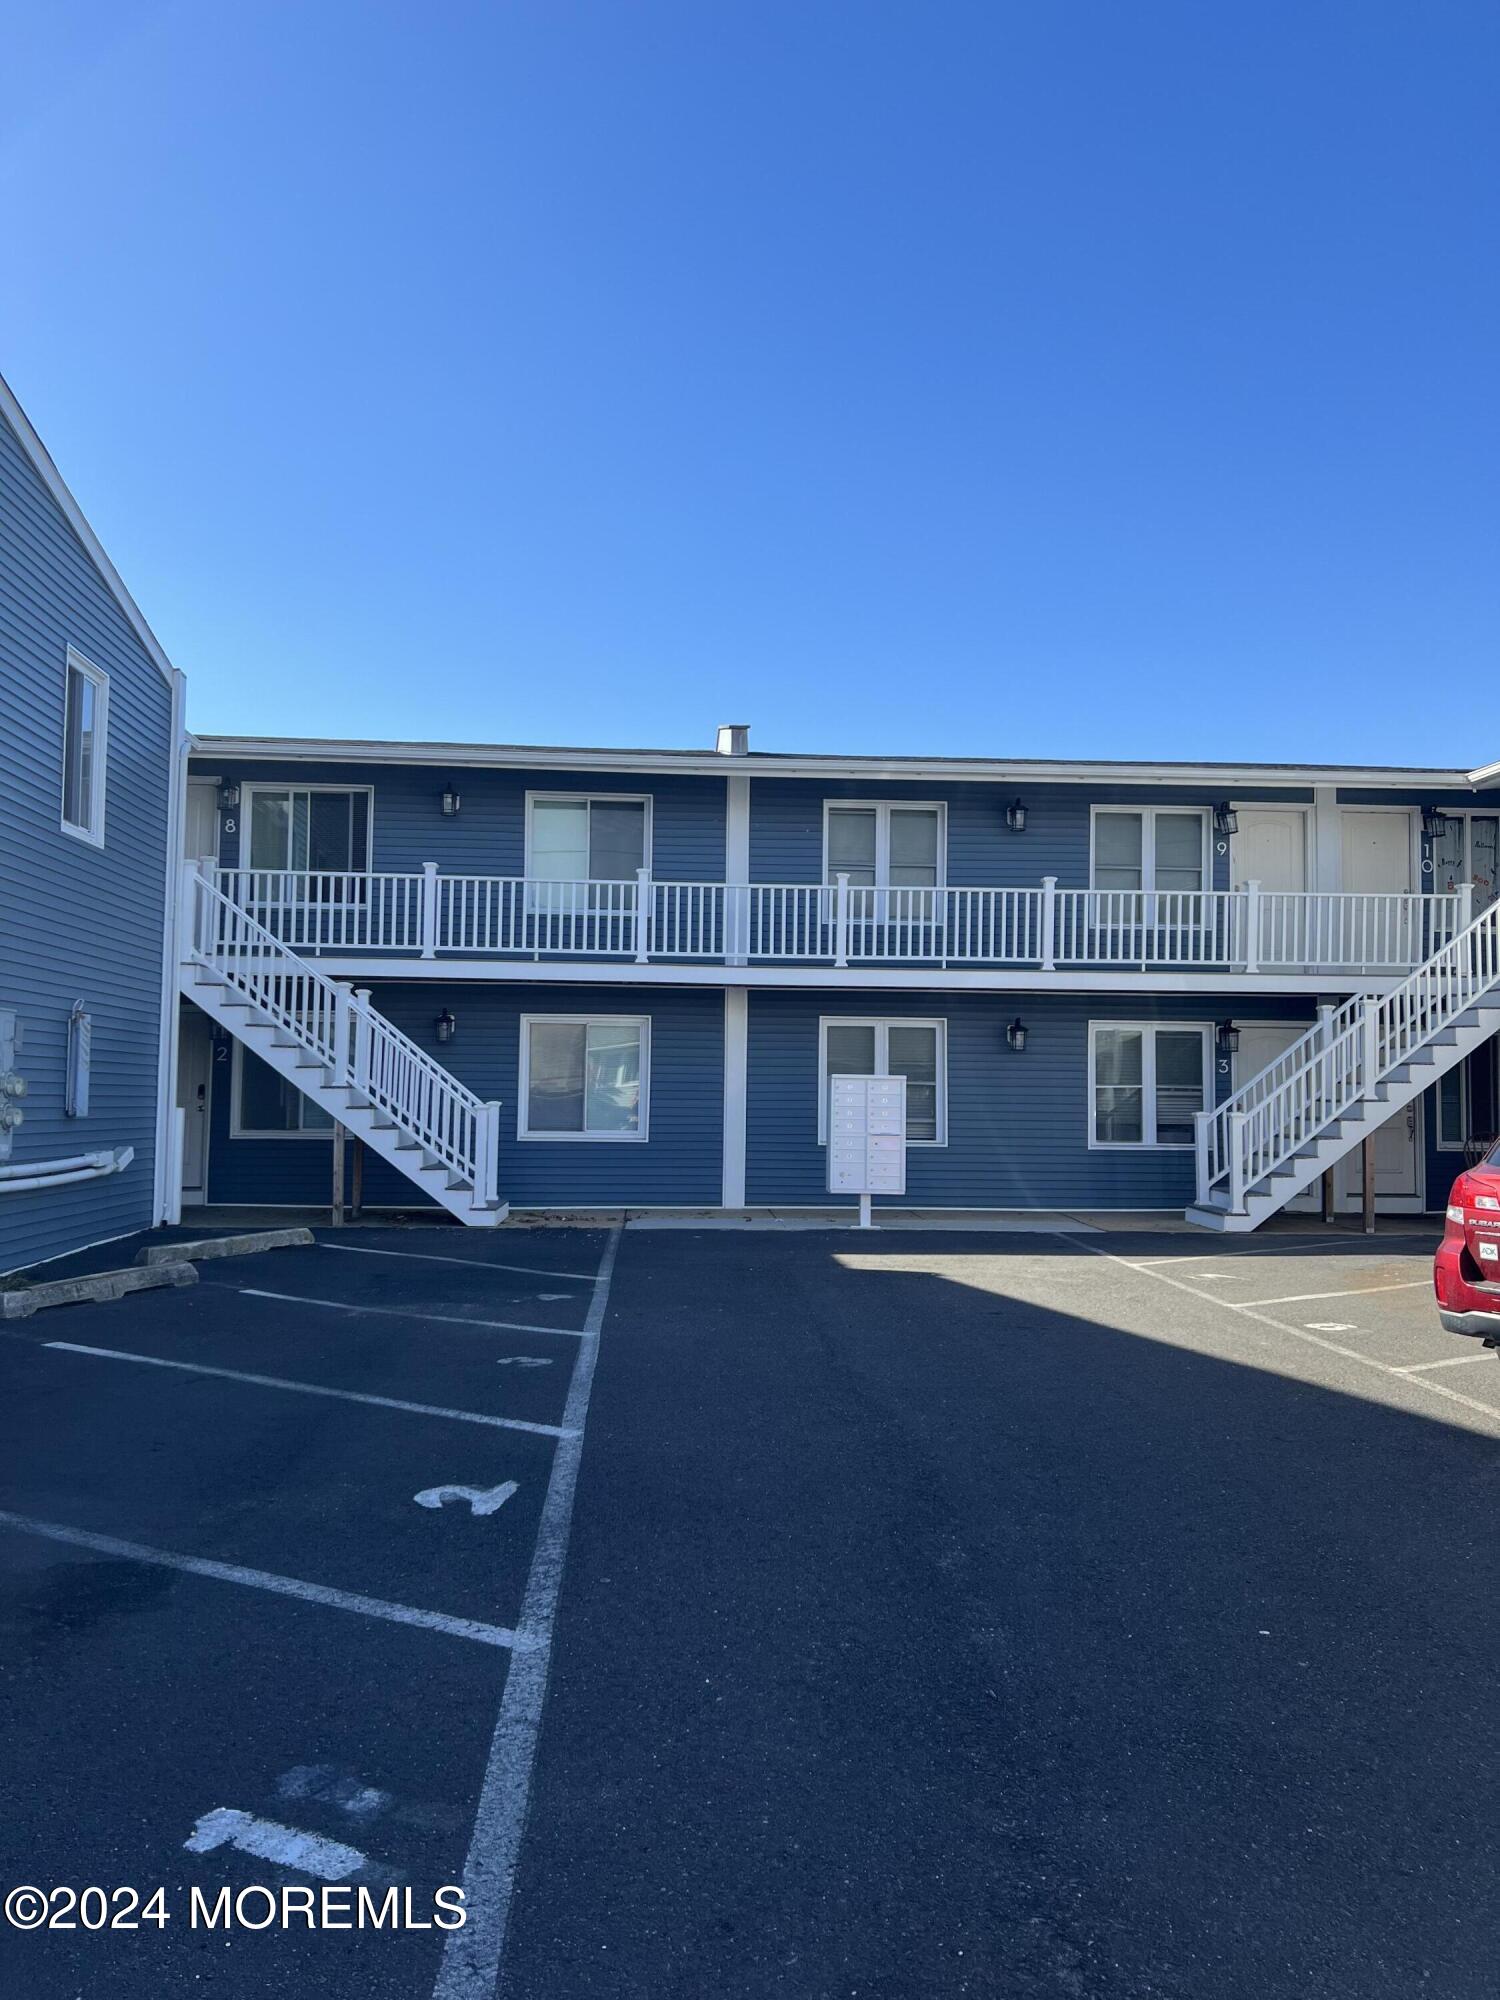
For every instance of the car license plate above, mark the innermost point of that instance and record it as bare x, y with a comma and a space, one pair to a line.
1489, 1253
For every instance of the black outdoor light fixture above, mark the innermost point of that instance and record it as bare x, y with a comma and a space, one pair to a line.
1434, 822
1015, 1034
445, 1024
1226, 819
1229, 1038
451, 800
1015, 816
229, 797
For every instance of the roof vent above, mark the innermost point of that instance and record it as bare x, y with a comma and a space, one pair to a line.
733, 739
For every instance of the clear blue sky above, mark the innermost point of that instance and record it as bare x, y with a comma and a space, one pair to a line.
1001, 376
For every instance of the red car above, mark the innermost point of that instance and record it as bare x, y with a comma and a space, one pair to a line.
1466, 1270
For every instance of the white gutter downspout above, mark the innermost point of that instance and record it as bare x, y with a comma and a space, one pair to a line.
163, 1195
26, 1175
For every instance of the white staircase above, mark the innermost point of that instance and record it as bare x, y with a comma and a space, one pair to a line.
1361, 1064
342, 1053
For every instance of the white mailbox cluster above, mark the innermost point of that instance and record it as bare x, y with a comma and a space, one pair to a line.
867, 1136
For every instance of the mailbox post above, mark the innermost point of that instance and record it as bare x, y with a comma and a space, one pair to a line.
867, 1138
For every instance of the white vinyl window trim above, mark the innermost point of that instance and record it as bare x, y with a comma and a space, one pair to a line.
534, 799
882, 809
1447, 1141
1148, 1031
1148, 816
239, 1130
642, 1022
82, 798
882, 1025
248, 791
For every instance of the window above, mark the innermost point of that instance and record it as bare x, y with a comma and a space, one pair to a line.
584, 1078
1453, 1108
264, 1105
587, 839
1146, 1080
85, 747
1466, 851
884, 846
1153, 847
316, 829
916, 1050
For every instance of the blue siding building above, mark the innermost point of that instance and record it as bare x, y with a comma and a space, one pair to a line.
88, 831
1116, 987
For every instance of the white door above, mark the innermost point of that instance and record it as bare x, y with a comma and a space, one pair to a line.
1396, 1176
1381, 932
195, 1048
1262, 1043
201, 833
1377, 851
1270, 847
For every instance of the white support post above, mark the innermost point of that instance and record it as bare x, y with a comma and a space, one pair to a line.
736, 1077
1201, 1122
343, 1023
841, 920
175, 1162
190, 908
429, 909
737, 870
1236, 1122
644, 913
1371, 1044
1049, 923
487, 1163
363, 1036
1465, 909
1252, 927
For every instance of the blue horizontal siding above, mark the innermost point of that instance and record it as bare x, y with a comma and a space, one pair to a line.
488, 835
76, 921
1017, 1124
680, 1163
786, 826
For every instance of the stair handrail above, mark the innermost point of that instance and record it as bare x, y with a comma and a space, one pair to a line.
357, 1042
1340, 1060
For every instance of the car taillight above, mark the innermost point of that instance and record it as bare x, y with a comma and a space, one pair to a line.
1458, 1194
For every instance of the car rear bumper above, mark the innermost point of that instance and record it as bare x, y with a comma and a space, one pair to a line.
1483, 1325
1466, 1303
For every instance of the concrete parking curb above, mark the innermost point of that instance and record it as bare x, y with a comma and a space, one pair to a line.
22, 1303
225, 1246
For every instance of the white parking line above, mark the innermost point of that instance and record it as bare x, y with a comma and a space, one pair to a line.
469, 1263
1284, 1247
1450, 1361
410, 1312
1354, 1292
261, 1579
268, 1840
472, 1956
308, 1388
1298, 1333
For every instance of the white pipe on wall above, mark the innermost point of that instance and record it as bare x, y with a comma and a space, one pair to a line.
24, 1175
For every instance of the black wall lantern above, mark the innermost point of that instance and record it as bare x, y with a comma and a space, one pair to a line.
451, 801
1015, 816
1226, 819
1434, 822
1015, 1034
445, 1024
229, 797
1229, 1038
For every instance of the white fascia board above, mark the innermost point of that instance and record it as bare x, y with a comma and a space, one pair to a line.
53, 480
594, 972
1487, 774
709, 763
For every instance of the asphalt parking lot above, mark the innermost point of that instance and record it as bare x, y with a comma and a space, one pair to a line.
938, 1614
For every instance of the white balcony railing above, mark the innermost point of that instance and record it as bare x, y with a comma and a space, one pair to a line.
428, 915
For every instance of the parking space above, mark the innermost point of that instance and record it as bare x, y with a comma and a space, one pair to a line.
1075, 1615
266, 1554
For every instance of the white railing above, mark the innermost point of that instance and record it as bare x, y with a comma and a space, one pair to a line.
356, 1042
1339, 1062
842, 923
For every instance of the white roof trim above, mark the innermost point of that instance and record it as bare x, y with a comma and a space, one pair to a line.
459, 756
53, 480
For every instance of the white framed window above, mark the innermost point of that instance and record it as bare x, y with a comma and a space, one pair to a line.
587, 837
893, 844
1161, 848
306, 829
263, 1105
1468, 850
85, 748
584, 1076
917, 1050
1146, 1081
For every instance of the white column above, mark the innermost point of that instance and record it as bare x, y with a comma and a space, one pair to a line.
736, 1092
429, 909
736, 870
1327, 858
